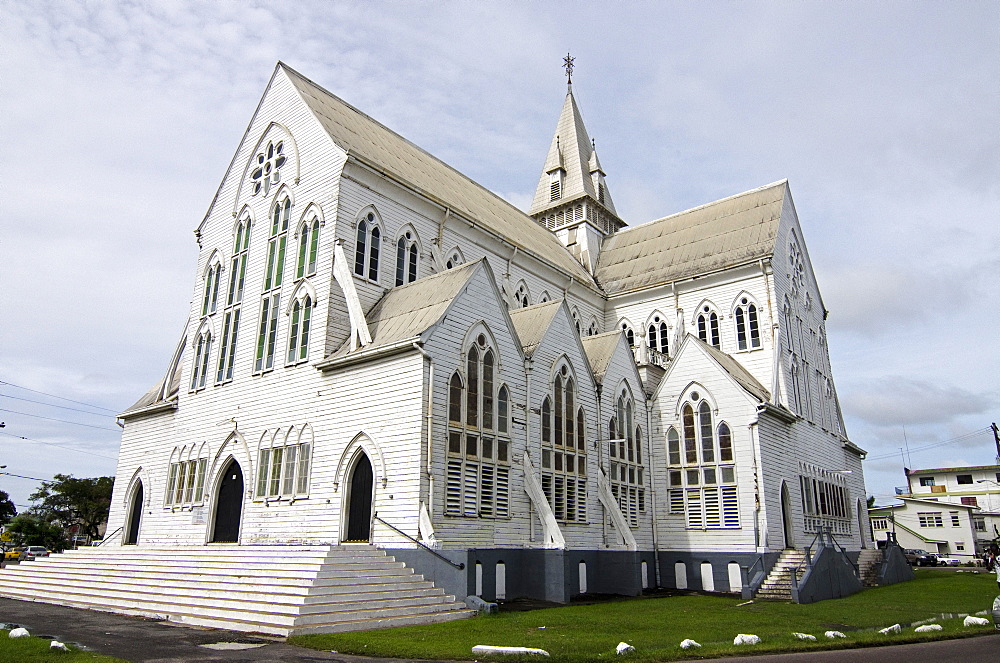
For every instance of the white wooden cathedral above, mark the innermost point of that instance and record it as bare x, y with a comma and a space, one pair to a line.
384, 355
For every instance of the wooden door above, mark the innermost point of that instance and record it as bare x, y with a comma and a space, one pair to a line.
359, 515
229, 505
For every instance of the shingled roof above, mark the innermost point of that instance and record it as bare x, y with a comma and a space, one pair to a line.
532, 322
715, 236
407, 311
377, 145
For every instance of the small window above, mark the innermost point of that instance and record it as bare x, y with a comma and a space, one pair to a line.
203, 349
267, 169
927, 481
708, 327
964, 479
970, 501
407, 257
298, 333
368, 247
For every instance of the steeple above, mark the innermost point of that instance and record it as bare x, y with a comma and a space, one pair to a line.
571, 192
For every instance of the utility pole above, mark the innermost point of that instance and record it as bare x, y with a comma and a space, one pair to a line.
996, 438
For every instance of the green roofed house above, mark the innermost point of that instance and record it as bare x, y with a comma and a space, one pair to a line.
396, 390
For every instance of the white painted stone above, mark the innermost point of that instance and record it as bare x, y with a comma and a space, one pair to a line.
624, 648
928, 628
746, 639
492, 649
19, 633
689, 643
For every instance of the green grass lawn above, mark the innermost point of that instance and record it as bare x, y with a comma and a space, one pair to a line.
36, 650
656, 626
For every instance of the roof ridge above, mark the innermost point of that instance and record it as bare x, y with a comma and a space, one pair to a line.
646, 224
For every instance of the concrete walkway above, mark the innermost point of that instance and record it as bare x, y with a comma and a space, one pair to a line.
141, 640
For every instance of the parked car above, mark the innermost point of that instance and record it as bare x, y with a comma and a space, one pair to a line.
31, 552
13, 554
944, 560
919, 557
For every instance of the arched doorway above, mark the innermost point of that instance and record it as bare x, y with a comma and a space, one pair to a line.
359, 500
787, 524
228, 505
134, 516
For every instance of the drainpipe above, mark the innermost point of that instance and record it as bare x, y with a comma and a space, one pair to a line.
430, 426
652, 491
527, 434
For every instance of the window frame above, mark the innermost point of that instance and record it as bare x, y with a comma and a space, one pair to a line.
368, 245
564, 448
281, 479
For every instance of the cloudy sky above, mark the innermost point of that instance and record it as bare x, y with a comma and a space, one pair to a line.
119, 120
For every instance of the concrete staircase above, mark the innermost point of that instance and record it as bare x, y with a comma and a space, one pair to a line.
869, 563
277, 590
778, 584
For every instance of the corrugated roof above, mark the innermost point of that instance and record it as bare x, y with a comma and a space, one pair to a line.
532, 322
407, 311
704, 239
736, 371
384, 149
600, 348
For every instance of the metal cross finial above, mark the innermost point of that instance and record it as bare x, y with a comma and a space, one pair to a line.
568, 65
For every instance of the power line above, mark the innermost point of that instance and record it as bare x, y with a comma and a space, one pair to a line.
62, 398
934, 445
8, 474
61, 407
62, 421
61, 446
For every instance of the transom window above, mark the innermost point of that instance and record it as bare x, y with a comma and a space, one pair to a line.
627, 473
283, 467
407, 258
708, 327
702, 474
564, 450
747, 326
267, 170
308, 248
368, 246
478, 475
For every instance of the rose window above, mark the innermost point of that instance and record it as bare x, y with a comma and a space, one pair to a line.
267, 171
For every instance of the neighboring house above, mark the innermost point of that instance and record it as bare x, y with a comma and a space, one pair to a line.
937, 527
562, 403
976, 486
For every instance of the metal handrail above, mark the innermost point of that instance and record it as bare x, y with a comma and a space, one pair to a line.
460, 565
843, 551
105, 539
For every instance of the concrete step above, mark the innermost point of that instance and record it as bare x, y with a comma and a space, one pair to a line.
274, 590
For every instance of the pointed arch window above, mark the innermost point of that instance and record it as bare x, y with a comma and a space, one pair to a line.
627, 472
283, 464
186, 477
521, 298
702, 474
203, 349
478, 471
592, 329
298, 332
231, 318
308, 248
210, 299
455, 259
368, 247
407, 257
564, 450
629, 334
747, 325
276, 244
708, 327
657, 341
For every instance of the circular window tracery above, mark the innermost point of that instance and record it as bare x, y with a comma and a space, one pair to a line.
267, 172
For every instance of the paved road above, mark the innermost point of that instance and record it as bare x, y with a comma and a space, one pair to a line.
149, 641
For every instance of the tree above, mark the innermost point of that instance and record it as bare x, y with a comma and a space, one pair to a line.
69, 501
7, 508
31, 529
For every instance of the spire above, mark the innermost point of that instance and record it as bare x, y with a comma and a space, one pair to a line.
571, 169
